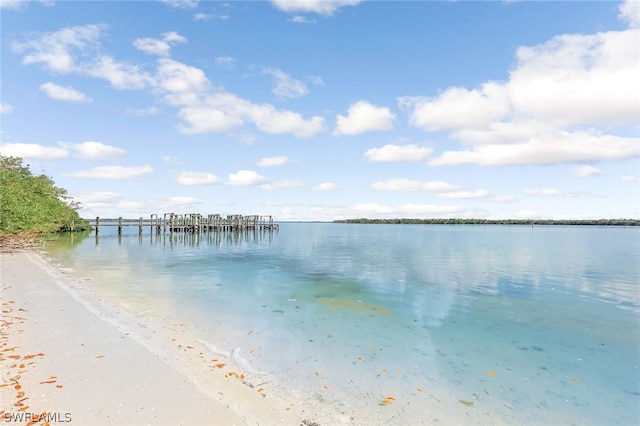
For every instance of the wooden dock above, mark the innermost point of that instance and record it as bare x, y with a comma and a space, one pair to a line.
190, 222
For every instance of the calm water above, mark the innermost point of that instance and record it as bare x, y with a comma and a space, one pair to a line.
533, 325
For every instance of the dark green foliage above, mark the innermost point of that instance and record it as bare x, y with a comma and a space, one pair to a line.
453, 221
33, 203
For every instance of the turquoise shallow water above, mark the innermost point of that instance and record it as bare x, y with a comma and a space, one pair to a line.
533, 325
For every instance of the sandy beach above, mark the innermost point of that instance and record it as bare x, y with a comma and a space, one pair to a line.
75, 358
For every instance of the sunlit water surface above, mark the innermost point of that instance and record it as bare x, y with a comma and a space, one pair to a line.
534, 325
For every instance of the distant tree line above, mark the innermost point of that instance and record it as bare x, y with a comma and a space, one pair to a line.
32, 203
460, 221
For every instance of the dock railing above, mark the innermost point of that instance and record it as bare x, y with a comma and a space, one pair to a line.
189, 222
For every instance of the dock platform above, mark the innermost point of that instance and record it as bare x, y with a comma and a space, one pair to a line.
190, 222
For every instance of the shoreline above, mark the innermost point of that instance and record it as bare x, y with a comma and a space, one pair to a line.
70, 354
624, 223
84, 356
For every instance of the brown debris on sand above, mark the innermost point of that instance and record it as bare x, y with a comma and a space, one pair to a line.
20, 241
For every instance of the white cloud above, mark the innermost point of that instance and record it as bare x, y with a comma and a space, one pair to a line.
563, 102
116, 206
171, 160
325, 187
162, 47
443, 189
55, 50
178, 201
473, 108
552, 146
202, 119
398, 153
629, 11
628, 178
32, 150
181, 4
379, 210
97, 197
225, 61
551, 192
273, 161
202, 16
58, 50
121, 75
99, 208
6, 108
202, 107
461, 195
246, 178
302, 20
283, 184
364, 117
21, 5
555, 82
579, 79
93, 150
317, 80
152, 46
286, 86
143, 112
223, 17
321, 7
208, 16
63, 93
586, 171
205, 109
181, 83
407, 185
273, 121
15, 5
113, 172
173, 37
134, 205
502, 198
197, 178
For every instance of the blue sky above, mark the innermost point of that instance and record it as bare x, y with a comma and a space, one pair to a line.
322, 110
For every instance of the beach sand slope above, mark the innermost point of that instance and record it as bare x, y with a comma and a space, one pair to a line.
61, 358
